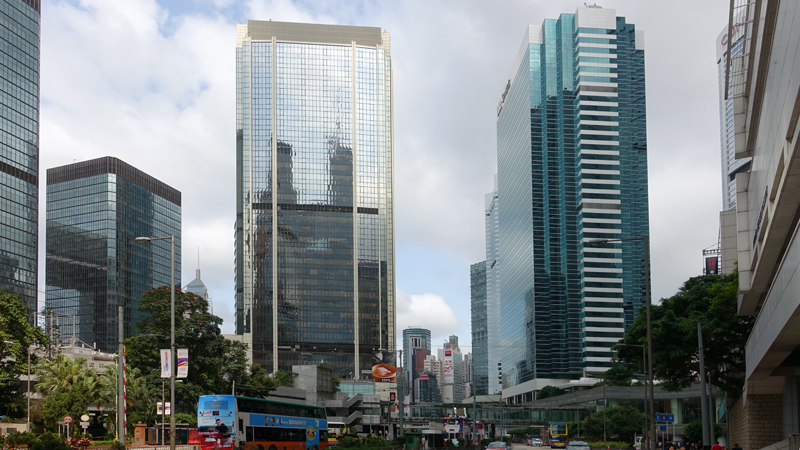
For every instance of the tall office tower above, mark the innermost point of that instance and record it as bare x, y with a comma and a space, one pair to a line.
413, 338
315, 276
19, 151
492, 223
451, 381
730, 164
572, 168
480, 363
197, 287
95, 211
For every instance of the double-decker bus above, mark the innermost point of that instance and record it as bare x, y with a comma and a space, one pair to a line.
227, 422
558, 435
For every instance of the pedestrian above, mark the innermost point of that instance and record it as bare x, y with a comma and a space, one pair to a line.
716, 446
736, 447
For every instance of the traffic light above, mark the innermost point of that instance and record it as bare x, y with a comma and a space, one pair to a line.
391, 396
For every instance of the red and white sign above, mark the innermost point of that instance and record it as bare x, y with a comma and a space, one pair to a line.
447, 367
67, 419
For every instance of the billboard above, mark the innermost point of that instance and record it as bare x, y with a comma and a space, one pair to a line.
384, 367
712, 265
447, 367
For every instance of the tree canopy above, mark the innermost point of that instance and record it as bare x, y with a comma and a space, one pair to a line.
549, 391
618, 376
622, 422
711, 301
16, 338
214, 362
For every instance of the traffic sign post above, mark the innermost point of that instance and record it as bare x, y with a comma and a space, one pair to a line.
665, 418
68, 420
84, 422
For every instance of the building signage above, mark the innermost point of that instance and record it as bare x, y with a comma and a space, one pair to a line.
712, 266
665, 418
384, 367
447, 367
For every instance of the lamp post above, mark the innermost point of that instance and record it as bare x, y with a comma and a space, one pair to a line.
171, 238
644, 373
646, 244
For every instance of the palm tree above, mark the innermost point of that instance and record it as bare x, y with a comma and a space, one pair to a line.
61, 373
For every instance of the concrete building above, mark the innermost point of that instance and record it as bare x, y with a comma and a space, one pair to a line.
765, 90
572, 168
451, 381
314, 258
19, 151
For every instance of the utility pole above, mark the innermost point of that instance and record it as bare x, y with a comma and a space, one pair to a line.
120, 373
703, 403
474, 413
402, 396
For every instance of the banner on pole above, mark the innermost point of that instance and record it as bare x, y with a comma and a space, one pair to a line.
183, 362
166, 360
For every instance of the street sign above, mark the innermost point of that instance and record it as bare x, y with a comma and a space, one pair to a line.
665, 418
663, 427
85, 424
67, 419
84, 418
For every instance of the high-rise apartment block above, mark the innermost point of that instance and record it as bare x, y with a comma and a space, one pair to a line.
95, 211
572, 168
19, 151
315, 277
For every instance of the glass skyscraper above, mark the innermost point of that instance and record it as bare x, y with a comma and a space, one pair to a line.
315, 208
572, 168
19, 150
480, 353
95, 211
492, 223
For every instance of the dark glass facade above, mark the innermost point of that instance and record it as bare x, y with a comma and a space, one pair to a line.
572, 167
95, 211
314, 230
19, 149
480, 354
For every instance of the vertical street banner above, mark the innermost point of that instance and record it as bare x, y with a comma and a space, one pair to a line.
447, 367
166, 361
183, 362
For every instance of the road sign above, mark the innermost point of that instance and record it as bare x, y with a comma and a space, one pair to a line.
663, 427
665, 418
84, 418
67, 419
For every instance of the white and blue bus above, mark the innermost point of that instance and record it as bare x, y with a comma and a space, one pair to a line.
227, 421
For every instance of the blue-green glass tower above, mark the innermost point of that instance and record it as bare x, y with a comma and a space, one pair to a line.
19, 150
572, 168
480, 351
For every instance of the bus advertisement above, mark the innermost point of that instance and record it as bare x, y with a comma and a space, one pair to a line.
227, 422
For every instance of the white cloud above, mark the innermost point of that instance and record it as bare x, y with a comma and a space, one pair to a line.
429, 311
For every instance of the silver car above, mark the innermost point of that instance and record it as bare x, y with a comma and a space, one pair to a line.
498, 446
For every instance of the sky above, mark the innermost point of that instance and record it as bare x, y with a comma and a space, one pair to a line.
153, 83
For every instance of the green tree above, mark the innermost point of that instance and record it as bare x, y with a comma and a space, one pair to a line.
256, 383
622, 422
694, 431
67, 401
16, 338
710, 300
618, 376
549, 391
284, 378
214, 362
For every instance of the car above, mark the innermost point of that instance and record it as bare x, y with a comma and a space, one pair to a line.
536, 442
578, 445
499, 446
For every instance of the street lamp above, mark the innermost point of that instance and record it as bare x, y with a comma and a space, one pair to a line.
646, 244
644, 370
171, 238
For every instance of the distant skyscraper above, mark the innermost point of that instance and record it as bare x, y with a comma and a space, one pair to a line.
451, 382
197, 287
19, 151
572, 167
730, 165
480, 375
413, 338
315, 213
493, 349
95, 210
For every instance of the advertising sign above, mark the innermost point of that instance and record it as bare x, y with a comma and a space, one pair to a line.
712, 265
384, 367
216, 426
447, 367
160, 409
183, 362
166, 360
